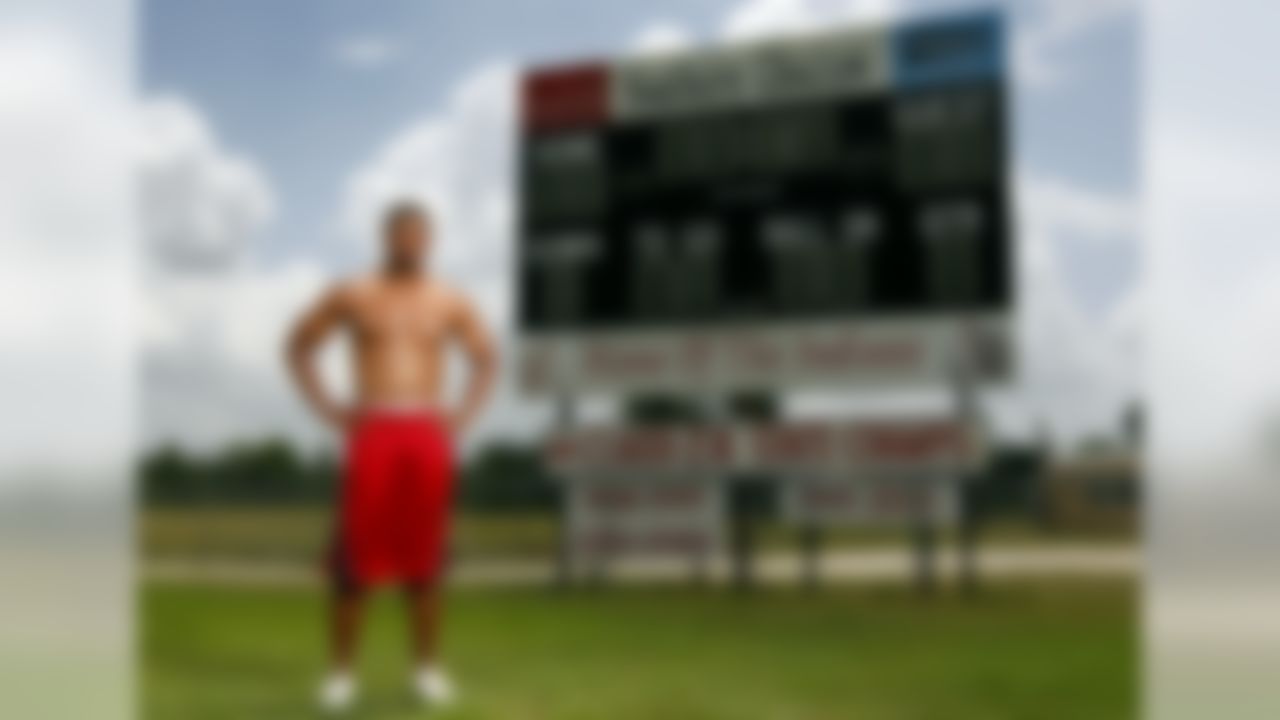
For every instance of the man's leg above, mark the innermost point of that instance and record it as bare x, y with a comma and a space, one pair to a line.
338, 690
424, 605
423, 599
347, 605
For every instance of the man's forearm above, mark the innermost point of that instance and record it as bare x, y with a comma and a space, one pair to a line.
476, 394
308, 382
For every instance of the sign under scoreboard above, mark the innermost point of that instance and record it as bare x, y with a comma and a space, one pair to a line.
819, 210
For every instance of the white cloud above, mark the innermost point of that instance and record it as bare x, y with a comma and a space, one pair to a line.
211, 340
765, 18
201, 204
768, 18
214, 368
1079, 371
661, 37
459, 163
1087, 214
366, 51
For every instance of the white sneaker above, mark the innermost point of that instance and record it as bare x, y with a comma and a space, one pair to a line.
433, 686
337, 693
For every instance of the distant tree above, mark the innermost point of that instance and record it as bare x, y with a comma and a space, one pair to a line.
662, 409
169, 476
1011, 483
506, 478
266, 471
754, 406
263, 472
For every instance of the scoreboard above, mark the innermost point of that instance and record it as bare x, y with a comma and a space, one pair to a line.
829, 209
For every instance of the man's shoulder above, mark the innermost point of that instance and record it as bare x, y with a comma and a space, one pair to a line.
351, 287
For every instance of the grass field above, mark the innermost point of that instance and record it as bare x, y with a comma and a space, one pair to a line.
1038, 651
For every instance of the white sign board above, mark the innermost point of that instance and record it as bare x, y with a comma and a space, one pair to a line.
612, 517
838, 354
871, 501
660, 490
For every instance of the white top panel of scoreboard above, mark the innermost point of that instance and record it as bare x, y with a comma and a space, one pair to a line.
835, 65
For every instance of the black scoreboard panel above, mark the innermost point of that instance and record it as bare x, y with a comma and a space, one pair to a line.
884, 204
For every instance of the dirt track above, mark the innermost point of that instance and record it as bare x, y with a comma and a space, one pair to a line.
881, 565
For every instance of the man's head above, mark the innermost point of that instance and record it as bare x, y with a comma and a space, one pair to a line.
406, 236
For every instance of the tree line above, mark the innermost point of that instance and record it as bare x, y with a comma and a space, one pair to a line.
501, 477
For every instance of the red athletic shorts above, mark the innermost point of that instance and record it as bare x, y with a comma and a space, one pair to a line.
396, 494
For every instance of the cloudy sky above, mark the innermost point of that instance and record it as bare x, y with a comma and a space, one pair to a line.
273, 131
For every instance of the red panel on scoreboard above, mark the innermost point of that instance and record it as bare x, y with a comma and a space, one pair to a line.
565, 98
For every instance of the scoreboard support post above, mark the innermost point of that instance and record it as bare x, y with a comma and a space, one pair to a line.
964, 387
968, 413
742, 538
925, 543
967, 539
811, 537
562, 575
700, 566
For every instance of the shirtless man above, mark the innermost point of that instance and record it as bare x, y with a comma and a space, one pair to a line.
393, 519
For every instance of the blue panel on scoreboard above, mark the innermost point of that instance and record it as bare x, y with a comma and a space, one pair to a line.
948, 50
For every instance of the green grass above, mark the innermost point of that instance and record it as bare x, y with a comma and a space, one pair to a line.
300, 533
1036, 651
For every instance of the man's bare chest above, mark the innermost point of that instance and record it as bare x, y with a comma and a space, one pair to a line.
398, 320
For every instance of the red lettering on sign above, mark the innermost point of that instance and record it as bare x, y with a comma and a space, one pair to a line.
755, 354
612, 498
850, 352
671, 497
795, 444
908, 443
604, 361
642, 446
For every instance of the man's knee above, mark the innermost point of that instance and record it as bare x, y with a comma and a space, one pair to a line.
345, 587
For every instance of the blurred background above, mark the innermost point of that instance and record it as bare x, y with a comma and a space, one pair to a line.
179, 178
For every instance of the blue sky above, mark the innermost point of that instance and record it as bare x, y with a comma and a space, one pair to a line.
283, 120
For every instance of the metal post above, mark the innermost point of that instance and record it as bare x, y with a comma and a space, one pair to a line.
967, 539
700, 567
925, 541
700, 562
965, 387
563, 573
811, 537
743, 543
